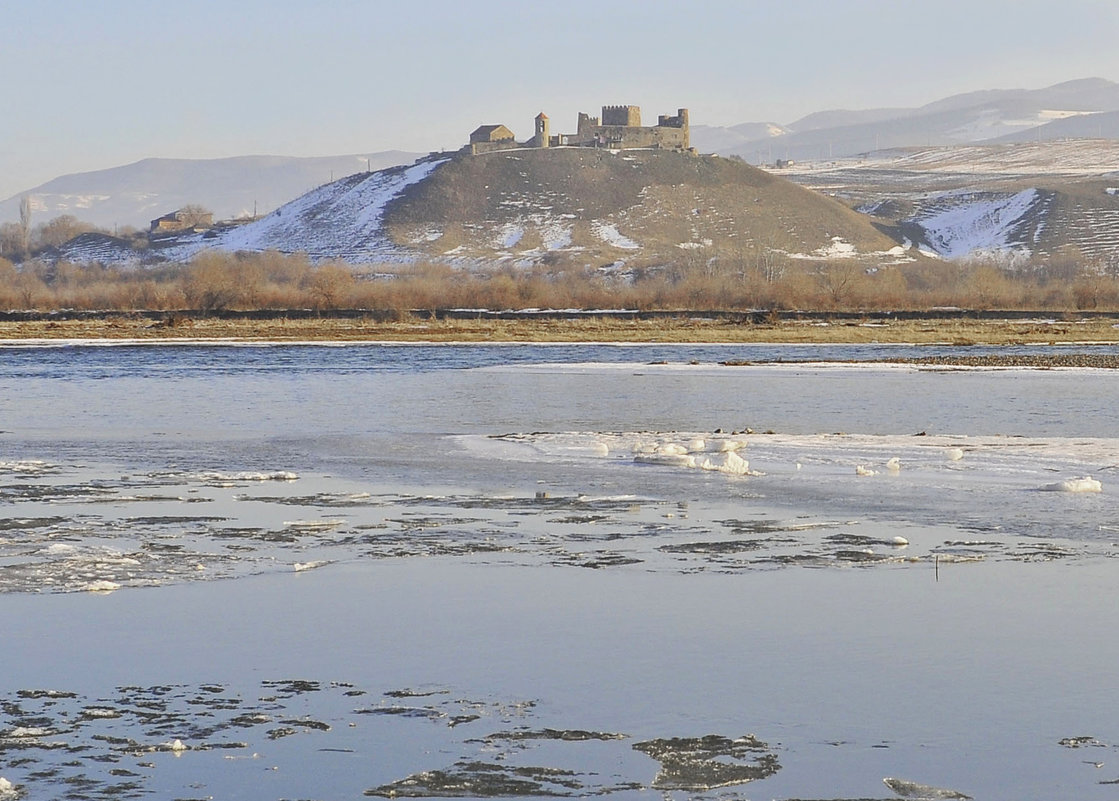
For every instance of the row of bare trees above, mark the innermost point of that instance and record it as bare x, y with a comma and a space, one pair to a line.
215, 281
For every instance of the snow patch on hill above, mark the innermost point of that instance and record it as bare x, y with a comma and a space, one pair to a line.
839, 249
338, 220
975, 226
609, 233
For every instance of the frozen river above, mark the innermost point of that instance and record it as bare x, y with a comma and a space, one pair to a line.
309, 571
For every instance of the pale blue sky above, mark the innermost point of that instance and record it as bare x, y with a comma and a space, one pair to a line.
91, 85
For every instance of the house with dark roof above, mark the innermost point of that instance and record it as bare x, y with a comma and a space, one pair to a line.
187, 219
491, 133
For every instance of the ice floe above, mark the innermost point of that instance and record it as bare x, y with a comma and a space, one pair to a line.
25, 466
314, 525
695, 453
101, 586
923, 792
299, 567
1083, 484
27, 732
100, 713
248, 475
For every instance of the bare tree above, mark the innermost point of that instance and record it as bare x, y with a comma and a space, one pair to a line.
839, 279
210, 284
193, 215
330, 285
11, 241
60, 230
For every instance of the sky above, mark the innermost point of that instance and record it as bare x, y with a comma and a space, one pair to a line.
90, 86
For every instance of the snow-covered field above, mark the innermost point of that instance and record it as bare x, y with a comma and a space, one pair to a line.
966, 226
995, 202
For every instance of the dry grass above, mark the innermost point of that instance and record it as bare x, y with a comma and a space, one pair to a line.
215, 283
678, 330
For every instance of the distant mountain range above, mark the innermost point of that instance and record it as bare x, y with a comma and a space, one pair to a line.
1011, 172
135, 194
1086, 108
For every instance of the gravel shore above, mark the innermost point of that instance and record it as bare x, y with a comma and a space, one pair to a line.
1048, 361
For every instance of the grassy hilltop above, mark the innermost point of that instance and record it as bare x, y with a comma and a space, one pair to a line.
581, 205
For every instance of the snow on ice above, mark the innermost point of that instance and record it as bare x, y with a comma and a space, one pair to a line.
1084, 484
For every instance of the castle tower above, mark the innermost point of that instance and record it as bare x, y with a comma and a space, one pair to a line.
542, 137
627, 116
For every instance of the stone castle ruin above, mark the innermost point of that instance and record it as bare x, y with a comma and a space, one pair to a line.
618, 128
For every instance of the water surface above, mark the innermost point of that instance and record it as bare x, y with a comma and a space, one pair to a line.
327, 570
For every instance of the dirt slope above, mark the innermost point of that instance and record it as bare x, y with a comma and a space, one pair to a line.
591, 206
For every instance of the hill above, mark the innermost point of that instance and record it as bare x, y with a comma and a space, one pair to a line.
577, 206
1009, 203
135, 194
598, 206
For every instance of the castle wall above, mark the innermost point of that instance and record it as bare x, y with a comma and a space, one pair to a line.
490, 147
621, 137
586, 123
620, 127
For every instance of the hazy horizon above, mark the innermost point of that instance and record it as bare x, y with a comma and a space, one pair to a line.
95, 87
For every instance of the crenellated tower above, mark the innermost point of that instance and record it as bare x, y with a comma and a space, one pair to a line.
629, 116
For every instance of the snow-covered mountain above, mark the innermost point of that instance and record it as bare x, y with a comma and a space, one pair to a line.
1074, 108
135, 194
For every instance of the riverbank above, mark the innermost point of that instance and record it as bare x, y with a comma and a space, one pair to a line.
960, 331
